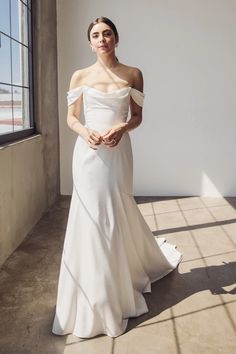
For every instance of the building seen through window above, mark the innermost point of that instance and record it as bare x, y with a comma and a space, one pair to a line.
16, 104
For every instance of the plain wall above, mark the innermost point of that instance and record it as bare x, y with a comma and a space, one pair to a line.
186, 50
29, 178
22, 191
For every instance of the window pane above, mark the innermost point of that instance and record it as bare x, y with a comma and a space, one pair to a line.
21, 108
5, 59
19, 64
5, 16
6, 119
19, 21
16, 96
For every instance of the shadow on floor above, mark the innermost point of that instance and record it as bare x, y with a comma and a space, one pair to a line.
28, 283
176, 287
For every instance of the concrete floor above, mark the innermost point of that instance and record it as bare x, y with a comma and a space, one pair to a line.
192, 310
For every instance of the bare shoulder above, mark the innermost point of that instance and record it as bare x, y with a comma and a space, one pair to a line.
135, 76
79, 76
137, 79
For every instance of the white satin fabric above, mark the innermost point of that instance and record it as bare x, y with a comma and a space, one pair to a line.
110, 256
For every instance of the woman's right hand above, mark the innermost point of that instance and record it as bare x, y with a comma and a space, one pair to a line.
92, 138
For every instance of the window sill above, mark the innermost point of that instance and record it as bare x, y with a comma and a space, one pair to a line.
12, 143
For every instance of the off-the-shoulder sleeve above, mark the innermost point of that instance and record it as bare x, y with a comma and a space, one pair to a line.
74, 94
137, 96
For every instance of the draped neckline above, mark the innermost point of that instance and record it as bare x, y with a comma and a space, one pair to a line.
103, 92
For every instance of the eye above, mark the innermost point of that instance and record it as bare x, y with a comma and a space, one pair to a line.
107, 33
94, 36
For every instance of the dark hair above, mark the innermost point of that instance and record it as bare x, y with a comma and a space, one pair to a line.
105, 20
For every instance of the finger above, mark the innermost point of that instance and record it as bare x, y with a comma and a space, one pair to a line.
94, 140
92, 146
109, 138
96, 134
108, 135
114, 143
105, 141
108, 141
105, 134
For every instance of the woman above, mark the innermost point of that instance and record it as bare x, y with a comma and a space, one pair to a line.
110, 256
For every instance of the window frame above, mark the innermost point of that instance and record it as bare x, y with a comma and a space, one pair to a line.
9, 137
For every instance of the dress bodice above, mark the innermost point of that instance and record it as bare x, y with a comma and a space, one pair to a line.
104, 109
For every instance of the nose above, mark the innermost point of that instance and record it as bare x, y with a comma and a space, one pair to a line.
102, 38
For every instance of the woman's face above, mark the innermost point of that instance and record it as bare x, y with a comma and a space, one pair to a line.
102, 38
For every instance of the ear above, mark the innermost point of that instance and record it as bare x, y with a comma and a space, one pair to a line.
117, 40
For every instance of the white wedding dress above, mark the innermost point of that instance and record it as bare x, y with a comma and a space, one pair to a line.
110, 256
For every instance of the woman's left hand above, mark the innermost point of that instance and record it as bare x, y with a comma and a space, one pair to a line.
112, 137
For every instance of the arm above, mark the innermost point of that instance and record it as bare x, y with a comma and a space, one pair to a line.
135, 109
73, 116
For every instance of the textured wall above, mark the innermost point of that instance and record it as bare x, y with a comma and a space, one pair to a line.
45, 84
29, 178
187, 51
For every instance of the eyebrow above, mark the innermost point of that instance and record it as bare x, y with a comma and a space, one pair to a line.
108, 29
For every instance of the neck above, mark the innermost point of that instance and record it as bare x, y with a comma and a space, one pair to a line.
110, 62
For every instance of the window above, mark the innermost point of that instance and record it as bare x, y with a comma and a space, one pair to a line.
16, 89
